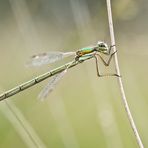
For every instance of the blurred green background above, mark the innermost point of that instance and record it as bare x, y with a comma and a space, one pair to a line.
83, 111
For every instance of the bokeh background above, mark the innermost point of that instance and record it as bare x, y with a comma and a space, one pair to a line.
83, 111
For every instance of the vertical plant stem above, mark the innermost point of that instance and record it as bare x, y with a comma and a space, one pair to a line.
127, 109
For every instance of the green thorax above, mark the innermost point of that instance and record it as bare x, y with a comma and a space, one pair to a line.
85, 50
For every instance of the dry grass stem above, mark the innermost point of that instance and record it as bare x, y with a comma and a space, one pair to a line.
123, 96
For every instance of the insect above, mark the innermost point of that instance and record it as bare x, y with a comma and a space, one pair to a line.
51, 57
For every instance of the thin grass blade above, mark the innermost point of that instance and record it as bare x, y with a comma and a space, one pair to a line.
46, 58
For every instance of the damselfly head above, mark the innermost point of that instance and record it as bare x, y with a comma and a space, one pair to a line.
102, 47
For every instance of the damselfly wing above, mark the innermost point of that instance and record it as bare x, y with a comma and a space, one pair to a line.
51, 85
47, 58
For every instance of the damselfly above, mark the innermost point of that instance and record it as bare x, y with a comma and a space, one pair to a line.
51, 57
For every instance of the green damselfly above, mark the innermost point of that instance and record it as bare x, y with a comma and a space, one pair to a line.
51, 57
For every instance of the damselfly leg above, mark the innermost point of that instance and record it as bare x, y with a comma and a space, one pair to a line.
105, 63
110, 48
108, 61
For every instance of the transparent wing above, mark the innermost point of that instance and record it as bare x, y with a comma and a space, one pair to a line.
51, 85
46, 58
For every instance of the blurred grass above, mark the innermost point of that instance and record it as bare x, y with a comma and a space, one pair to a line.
90, 108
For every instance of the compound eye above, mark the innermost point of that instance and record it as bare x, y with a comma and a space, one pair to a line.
102, 45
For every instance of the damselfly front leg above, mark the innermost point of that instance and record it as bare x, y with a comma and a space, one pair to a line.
109, 60
98, 72
110, 48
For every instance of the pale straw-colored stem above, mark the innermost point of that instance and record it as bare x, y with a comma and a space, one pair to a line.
124, 100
